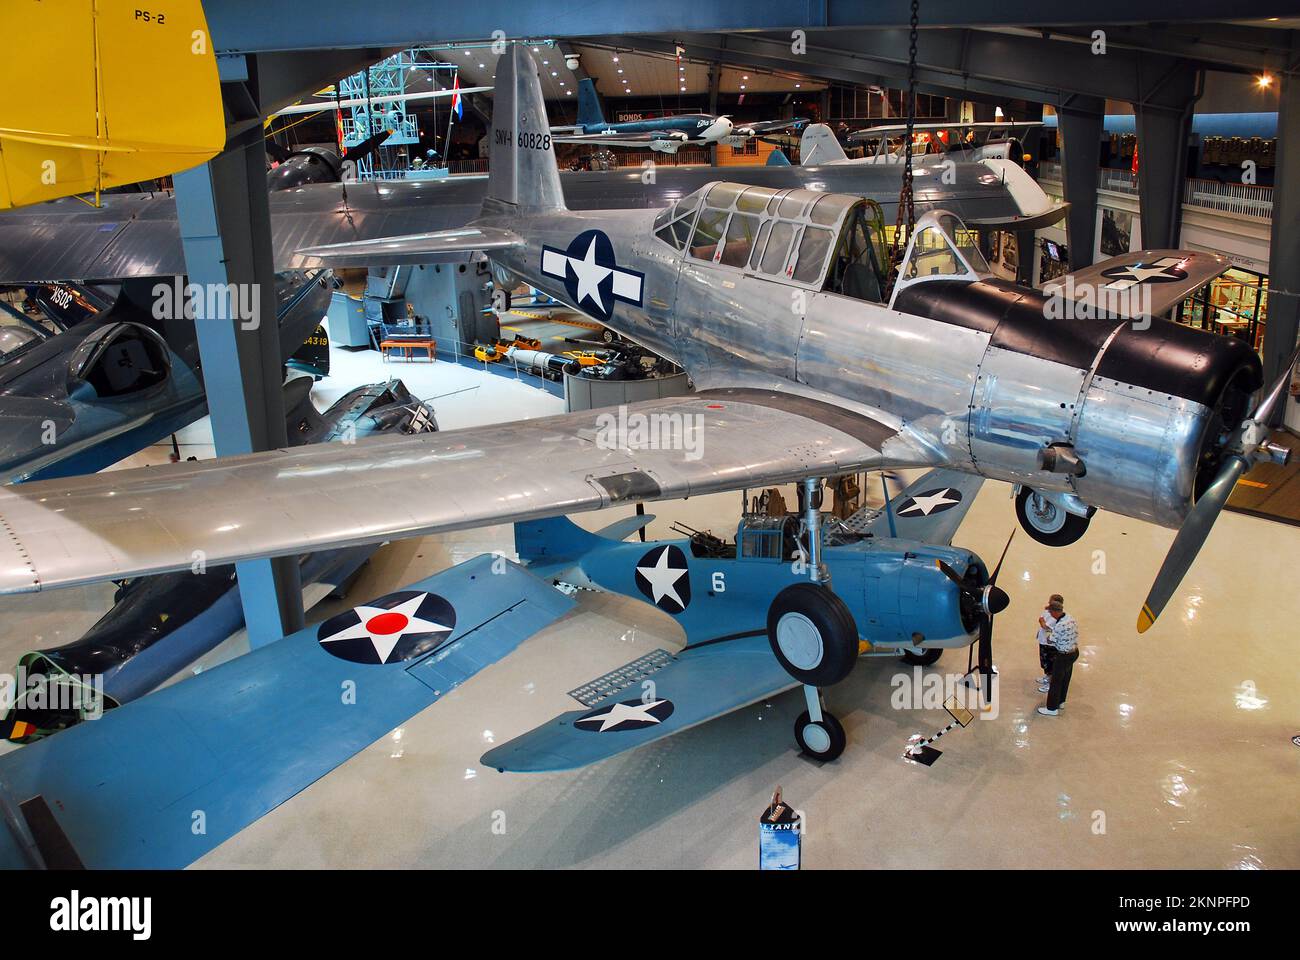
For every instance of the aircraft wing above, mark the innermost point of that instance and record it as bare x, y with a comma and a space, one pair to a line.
767, 126
1146, 283
227, 746
696, 685
285, 502
930, 509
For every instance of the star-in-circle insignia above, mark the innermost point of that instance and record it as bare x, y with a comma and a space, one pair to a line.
931, 501
592, 277
1164, 270
663, 577
624, 716
400, 626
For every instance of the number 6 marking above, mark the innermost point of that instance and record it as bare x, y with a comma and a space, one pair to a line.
719, 582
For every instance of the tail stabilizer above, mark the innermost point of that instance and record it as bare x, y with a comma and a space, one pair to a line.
521, 156
590, 116
777, 158
820, 145
554, 540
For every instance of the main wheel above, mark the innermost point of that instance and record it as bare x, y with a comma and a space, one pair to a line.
1046, 521
824, 740
812, 634
923, 659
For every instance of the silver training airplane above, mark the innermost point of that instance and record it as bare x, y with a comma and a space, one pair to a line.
772, 301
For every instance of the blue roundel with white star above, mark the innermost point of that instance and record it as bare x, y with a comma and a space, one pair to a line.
663, 577
400, 626
931, 501
625, 716
592, 277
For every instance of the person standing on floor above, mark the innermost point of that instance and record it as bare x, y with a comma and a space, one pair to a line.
1045, 649
1065, 640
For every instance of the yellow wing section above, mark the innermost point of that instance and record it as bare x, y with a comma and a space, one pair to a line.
99, 93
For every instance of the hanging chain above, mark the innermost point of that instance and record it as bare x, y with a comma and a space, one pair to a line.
906, 220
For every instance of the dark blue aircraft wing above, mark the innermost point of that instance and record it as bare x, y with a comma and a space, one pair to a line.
647, 700
930, 509
163, 780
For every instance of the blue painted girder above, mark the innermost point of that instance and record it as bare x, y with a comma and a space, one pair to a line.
700, 683
227, 746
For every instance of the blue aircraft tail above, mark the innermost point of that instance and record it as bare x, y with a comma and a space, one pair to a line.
777, 158
553, 540
589, 112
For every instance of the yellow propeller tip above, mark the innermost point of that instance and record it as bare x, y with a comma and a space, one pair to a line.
1145, 619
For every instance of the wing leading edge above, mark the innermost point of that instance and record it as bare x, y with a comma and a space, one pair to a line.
161, 519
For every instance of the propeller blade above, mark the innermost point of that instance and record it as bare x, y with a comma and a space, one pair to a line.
951, 574
1270, 399
998, 569
1190, 539
986, 658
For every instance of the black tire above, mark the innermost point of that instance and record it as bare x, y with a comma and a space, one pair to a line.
828, 738
608, 335
818, 630
924, 659
1051, 529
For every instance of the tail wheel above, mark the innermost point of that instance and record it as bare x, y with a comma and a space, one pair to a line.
813, 634
823, 739
1047, 521
608, 335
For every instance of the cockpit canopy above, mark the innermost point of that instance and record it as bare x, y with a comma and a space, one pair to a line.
941, 248
822, 241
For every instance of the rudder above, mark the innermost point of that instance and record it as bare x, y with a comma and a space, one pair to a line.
522, 169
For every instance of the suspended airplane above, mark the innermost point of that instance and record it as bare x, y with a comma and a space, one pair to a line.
137, 235
987, 140
808, 362
109, 121
664, 134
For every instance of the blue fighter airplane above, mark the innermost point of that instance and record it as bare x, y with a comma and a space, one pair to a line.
664, 134
239, 739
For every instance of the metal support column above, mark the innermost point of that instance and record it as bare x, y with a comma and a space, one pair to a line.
1283, 318
1081, 139
1162, 171
225, 227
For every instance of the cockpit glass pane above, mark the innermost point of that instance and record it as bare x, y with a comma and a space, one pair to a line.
932, 256
778, 247
827, 210
754, 200
813, 247
792, 204
723, 195
663, 217
740, 238
967, 241
708, 231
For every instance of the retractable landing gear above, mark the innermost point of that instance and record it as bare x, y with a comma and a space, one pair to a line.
1046, 520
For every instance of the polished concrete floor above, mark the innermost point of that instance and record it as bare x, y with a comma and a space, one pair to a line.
1174, 751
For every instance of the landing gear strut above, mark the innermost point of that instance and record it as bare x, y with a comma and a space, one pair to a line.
814, 637
817, 732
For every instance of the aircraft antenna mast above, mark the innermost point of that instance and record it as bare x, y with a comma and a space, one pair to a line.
906, 207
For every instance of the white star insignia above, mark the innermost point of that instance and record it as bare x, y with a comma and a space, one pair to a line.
590, 274
384, 640
621, 712
663, 578
1138, 273
927, 504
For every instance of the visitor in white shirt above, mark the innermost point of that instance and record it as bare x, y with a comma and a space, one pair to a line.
1065, 640
1045, 649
